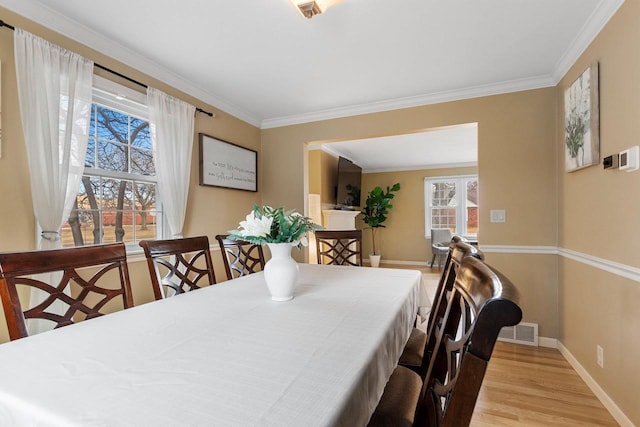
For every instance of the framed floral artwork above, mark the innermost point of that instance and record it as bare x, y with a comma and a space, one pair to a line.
582, 121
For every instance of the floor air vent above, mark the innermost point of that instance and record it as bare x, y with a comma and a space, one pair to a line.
522, 333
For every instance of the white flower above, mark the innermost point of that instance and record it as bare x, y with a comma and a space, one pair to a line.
302, 240
274, 225
255, 227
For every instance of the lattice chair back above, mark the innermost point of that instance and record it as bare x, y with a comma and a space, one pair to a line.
72, 285
339, 247
240, 258
177, 266
480, 304
459, 250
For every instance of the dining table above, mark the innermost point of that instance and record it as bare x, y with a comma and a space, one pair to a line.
223, 355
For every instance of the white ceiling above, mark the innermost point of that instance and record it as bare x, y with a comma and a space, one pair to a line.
261, 61
454, 146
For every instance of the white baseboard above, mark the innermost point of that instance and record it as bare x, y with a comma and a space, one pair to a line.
547, 342
604, 398
365, 260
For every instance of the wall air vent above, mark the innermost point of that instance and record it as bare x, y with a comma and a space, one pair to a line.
522, 333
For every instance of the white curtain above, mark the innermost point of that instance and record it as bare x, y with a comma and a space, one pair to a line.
171, 123
54, 89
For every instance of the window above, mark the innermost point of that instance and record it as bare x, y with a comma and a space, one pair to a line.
118, 199
452, 202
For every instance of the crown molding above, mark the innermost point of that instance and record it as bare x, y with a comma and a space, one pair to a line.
420, 167
76, 31
598, 19
596, 22
412, 101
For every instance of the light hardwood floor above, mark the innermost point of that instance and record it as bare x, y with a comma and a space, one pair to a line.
535, 386
530, 386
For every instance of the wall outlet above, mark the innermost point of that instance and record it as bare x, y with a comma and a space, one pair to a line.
600, 356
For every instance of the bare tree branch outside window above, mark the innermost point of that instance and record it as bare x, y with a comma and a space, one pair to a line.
119, 203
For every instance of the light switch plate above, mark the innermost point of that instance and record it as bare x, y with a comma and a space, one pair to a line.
498, 215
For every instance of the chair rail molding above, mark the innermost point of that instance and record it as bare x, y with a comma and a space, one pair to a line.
623, 270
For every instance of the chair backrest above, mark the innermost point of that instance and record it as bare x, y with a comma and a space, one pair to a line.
178, 265
339, 247
82, 296
240, 257
440, 236
458, 251
481, 303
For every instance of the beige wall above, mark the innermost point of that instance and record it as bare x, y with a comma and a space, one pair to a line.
210, 210
315, 172
599, 213
517, 172
516, 151
323, 170
403, 238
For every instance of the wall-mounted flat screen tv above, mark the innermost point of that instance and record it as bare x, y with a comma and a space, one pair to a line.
349, 184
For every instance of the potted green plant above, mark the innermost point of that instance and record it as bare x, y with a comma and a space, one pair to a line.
375, 212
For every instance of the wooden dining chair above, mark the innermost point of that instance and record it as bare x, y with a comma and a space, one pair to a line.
420, 345
481, 303
239, 257
339, 247
92, 277
180, 265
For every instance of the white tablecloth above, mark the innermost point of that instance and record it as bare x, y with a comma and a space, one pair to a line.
225, 355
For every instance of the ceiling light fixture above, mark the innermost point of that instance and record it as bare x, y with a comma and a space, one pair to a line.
309, 9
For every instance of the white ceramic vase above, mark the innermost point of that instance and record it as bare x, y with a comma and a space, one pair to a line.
281, 272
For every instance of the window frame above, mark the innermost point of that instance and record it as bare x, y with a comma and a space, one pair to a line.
116, 97
461, 197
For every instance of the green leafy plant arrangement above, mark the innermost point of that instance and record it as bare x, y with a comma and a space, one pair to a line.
274, 225
376, 209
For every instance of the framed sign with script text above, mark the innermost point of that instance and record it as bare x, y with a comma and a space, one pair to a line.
223, 164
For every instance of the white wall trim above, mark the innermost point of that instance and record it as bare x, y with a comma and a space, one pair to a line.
538, 82
602, 396
598, 19
74, 30
509, 249
627, 271
596, 22
422, 167
547, 342
365, 260
613, 267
